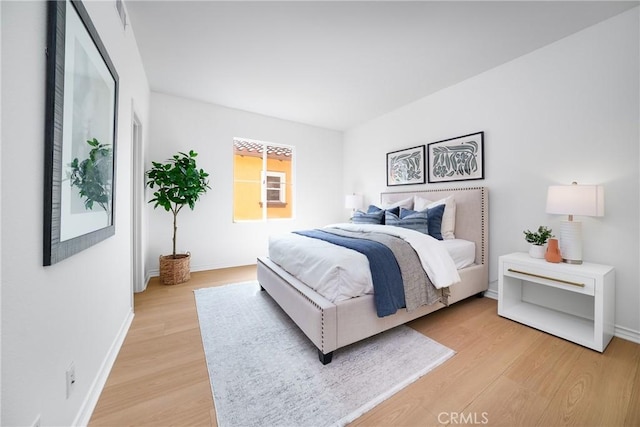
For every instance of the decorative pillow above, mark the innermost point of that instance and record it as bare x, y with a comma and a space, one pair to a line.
434, 216
360, 217
449, 217
418, 221
406, 203
375, 209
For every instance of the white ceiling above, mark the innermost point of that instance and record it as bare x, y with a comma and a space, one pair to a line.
337, 64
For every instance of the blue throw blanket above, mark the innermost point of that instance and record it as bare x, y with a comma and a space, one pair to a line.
385, 272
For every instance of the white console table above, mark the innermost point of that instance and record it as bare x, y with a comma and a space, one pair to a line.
574, 302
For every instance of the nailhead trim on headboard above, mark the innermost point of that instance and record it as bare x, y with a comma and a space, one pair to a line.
483, 219
484, 236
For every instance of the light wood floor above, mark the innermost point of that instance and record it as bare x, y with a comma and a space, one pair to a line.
503, 373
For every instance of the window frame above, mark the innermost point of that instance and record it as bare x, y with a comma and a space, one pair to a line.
264, 203
281, 189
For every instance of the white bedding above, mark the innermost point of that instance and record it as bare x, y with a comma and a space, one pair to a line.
339, 273
462, 251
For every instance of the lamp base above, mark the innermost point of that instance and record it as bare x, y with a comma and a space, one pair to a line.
571, 242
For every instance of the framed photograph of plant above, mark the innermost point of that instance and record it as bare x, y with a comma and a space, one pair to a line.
80, 134
405, 167
456, 159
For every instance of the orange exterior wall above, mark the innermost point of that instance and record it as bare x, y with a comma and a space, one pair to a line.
246, 188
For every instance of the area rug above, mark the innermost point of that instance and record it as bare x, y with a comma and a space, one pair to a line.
265, 372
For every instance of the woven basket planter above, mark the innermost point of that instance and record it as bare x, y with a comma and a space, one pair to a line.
174, 271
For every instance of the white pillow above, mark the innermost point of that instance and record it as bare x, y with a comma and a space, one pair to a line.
448, 218
406, 203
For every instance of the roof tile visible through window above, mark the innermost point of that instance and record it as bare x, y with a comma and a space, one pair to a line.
249, 148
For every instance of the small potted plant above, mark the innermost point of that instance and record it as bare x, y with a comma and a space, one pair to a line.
537, 240
177, 183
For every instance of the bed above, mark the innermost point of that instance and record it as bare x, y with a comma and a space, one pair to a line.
333, 325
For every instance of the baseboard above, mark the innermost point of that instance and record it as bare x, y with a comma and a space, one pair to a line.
627, 334
156, 272
91, 400
490, 293
194, 268
152, 273
147, 277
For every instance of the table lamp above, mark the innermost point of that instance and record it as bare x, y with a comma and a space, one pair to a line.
574, 199
353, 202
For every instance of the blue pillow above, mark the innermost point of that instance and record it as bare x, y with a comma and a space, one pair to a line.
434, 216
374, 209
418, 221
435, 221
360, 217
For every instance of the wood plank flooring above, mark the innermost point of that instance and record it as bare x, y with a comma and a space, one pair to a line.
503, 373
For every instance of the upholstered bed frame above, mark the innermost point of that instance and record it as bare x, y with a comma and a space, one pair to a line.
334, 325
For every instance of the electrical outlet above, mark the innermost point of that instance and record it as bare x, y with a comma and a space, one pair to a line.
71, 379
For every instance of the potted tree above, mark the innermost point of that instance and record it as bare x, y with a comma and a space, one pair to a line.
177, 183
537, 240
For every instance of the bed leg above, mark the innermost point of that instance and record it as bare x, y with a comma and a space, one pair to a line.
261, 288
325, 358
480, 294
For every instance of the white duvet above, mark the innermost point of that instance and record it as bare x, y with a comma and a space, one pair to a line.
338, 273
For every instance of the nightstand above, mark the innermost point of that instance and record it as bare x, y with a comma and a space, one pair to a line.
574, 302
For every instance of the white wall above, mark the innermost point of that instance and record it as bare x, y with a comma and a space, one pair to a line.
568, 111
208, 232
78, 309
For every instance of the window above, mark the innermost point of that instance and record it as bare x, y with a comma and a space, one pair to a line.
262, 179
276, 188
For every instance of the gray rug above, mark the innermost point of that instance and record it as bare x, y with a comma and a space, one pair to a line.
265, 372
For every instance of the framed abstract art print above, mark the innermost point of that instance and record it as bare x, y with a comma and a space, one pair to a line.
405, 167
456, 159
80, 134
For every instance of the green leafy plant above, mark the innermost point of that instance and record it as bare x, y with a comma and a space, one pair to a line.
94, 176
178, 183
540, 237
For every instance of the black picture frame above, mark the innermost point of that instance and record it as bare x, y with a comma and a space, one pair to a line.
81, 106
406, 167
456, 159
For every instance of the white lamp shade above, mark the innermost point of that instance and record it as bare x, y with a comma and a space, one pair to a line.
353, 201
586, 200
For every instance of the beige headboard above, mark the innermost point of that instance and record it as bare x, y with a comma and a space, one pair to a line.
472, 209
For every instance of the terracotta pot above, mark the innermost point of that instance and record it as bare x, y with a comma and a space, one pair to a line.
536, 251
553, 252
174, 271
